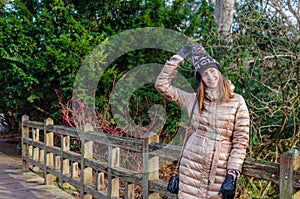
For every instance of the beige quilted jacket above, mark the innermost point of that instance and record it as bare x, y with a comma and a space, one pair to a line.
219, 140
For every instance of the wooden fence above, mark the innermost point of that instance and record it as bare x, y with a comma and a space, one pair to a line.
47, 147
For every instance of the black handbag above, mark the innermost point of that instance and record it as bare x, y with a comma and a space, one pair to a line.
173, 184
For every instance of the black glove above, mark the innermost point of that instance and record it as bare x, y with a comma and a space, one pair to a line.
228, 187
185, 52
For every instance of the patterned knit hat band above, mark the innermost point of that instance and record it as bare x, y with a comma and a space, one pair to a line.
205, 62
202, 61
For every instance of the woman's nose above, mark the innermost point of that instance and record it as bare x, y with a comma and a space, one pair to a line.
209, 75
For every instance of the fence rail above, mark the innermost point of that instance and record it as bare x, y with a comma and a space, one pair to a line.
47, 147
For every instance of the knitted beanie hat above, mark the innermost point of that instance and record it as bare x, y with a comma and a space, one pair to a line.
202, 61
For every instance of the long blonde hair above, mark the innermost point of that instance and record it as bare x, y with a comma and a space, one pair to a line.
223, 88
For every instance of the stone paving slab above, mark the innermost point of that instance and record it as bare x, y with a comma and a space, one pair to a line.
17, 184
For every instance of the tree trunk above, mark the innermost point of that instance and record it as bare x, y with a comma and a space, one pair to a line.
223, 16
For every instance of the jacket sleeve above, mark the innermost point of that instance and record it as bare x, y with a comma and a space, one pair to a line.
240, 140
164, 87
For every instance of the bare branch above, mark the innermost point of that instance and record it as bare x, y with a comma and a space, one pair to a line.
293, 12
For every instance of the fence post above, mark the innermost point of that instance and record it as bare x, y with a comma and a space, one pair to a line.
289, 162
100, 181
25, 149
150, 166
36, 150
75, 170
48, 156
86, 173
129, 191
145, 168
153, 166
65, 146
113, 162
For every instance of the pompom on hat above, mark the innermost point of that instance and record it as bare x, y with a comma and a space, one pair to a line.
202, 61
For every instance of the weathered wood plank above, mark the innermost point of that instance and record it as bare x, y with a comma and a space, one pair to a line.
91, 190
64, 130
165, 151
99, 166
33, 162
32, 143
114, 141
33, 124
54, 150
73, 156
66, 178
128, 176
159, 186
262, 171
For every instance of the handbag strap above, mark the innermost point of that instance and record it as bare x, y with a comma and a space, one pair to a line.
185, 136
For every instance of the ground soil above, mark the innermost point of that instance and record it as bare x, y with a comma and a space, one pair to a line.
9, 154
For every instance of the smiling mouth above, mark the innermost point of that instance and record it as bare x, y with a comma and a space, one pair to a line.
211, 83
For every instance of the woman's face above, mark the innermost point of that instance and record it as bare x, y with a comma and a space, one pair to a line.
211, 77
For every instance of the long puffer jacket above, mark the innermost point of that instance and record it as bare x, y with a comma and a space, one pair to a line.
218, 143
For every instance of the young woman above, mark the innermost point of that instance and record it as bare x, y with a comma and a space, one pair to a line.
213, 156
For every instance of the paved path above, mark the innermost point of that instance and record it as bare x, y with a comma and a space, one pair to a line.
15, 184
